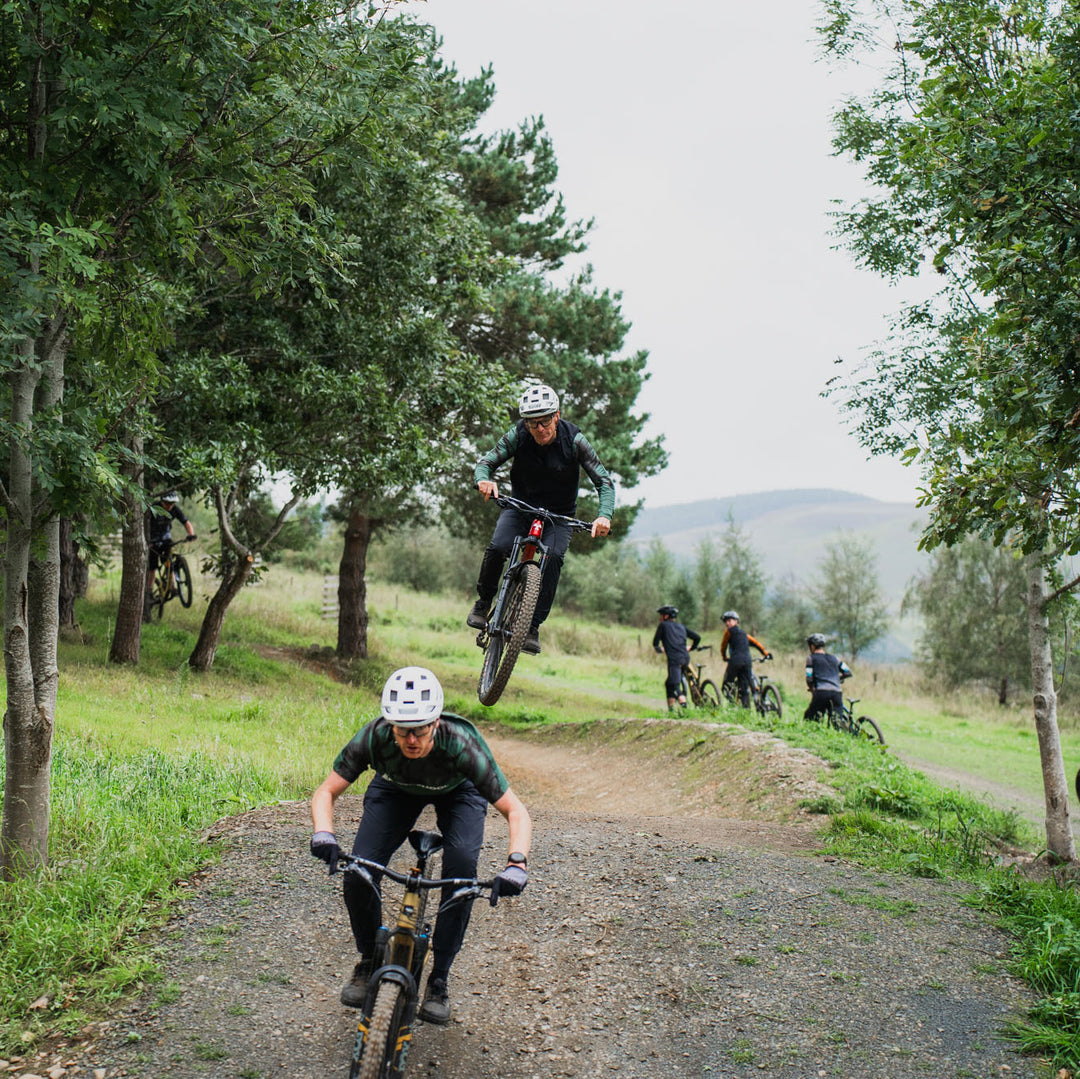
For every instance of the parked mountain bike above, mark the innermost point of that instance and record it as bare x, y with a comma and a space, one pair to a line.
701, 693
171, 579
764, 696
511, 617
845, 719
384, 1030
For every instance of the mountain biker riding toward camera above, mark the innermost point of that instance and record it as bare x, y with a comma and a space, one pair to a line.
548, 454
159, 519
735, 648
825, 674
421, 756
670, 639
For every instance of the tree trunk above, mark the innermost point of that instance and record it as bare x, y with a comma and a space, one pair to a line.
1059, 838
352, 588
127, 638
1003, 691
69, 555
202, 655
31, 619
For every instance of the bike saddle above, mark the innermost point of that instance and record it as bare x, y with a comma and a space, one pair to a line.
425, 842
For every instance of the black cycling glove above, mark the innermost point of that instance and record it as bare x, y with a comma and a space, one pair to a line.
511, 881
325, 846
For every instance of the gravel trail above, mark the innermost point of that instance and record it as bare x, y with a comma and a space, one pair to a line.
662, 935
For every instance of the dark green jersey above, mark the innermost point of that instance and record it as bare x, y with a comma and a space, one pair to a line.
460, 753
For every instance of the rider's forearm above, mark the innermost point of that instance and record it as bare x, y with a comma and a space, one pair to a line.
520, 823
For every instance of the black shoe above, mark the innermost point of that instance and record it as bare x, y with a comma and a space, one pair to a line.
436, 1006
355, 989
531, 647
478, 616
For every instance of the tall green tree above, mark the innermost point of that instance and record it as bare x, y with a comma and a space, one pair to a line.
708, 576
848, 594
545, 325
131, 139
973, 605
967, 138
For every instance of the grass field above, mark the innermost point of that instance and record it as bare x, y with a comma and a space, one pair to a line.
147, 758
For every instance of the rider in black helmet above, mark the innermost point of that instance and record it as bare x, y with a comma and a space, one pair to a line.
825, 674
670, 638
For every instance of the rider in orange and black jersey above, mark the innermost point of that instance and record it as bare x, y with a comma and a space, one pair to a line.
735, 648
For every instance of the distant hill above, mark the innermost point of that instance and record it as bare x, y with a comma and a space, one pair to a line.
789, 531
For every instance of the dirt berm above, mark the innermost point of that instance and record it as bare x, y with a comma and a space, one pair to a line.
677, 923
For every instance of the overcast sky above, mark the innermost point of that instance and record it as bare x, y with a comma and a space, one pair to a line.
697, 136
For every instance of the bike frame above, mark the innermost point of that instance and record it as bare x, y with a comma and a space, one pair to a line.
525, 550
403, 949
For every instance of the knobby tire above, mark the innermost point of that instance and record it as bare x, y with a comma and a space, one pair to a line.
183, 580
869, 730
380, 1046
157, 601
710, 695
502, 651
770, 702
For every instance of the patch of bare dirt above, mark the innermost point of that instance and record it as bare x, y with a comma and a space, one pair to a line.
675, 924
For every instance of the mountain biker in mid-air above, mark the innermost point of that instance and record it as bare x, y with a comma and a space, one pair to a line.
670, 639
159, 519
735, 648
548, 454
825, 674
421, 756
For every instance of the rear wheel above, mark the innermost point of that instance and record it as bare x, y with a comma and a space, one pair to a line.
728, 690
378, 1046
183, 580
710, 695
513, 621
157, 597
770, 702
869, 730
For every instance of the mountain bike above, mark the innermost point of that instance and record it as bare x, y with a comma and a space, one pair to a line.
764, 696
844, 719
172, 578
511, 617
384, 1030
702, 693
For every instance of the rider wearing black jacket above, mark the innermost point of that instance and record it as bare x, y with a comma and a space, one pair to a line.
548, 454
670, 638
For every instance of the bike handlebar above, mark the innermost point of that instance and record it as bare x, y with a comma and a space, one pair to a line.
507, 502
353, 864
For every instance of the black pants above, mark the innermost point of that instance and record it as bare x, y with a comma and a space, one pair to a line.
389, 815
742, 674
511, 524
822, 701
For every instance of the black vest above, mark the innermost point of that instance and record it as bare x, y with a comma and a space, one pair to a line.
547, 476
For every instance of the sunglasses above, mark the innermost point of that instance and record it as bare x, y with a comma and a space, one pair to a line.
420, 732
544, 421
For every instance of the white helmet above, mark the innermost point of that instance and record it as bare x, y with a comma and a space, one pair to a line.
412, 697
538, 401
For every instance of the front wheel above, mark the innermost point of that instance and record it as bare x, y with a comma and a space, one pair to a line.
869, 730
729, 691
710, 695
377, 1047
770, 702
513, 624
183, 580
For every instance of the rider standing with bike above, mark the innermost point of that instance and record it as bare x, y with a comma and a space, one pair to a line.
825, 674
735, 649
421, 756
670, 639
159, 519
548, 454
